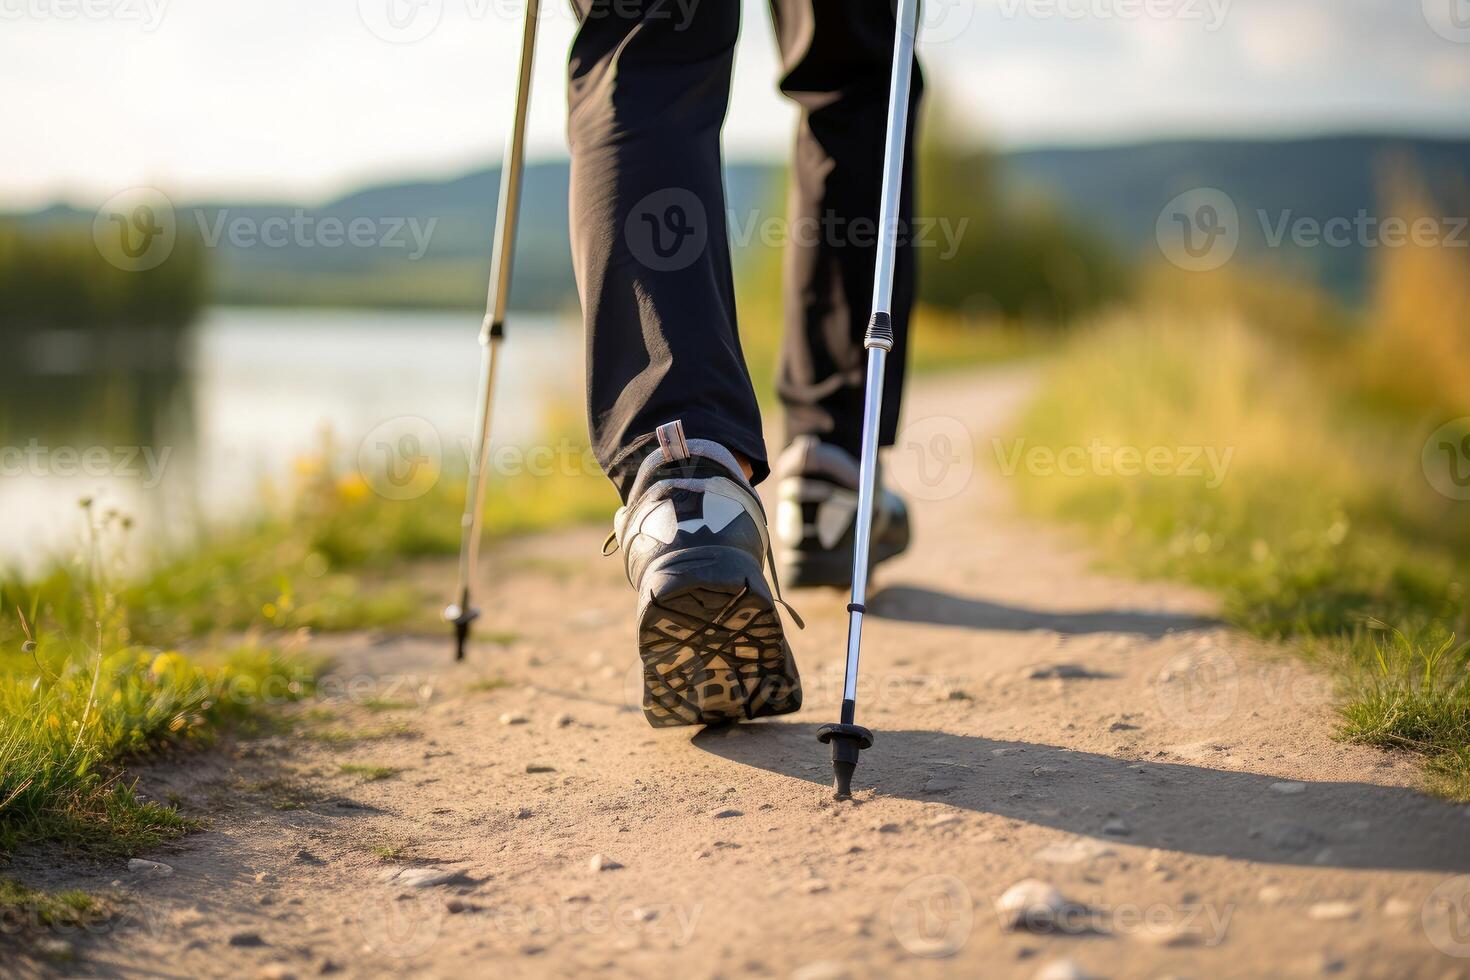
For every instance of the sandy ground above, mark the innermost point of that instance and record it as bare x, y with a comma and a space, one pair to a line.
1174, 783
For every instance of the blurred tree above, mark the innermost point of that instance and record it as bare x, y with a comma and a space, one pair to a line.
1017, 258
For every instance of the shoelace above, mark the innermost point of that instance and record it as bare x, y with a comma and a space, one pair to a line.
610, 547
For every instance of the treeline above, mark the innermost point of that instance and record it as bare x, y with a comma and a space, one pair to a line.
1018, 260
89, 344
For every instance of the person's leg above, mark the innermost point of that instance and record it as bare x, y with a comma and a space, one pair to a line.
648, 86
837, 60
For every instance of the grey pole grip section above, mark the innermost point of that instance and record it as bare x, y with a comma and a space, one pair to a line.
880, 328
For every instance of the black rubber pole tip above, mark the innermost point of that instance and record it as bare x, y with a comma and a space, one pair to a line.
847, 743
461, 616
842, 779
461, 636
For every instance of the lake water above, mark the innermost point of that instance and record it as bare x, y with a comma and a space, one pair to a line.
266, 387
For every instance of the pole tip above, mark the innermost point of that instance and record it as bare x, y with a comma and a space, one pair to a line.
847, 742
461, 616
842, 780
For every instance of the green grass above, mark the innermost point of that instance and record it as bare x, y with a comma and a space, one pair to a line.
22, 907
80, 696
371, 774
387, 704
69, 716
1321, 530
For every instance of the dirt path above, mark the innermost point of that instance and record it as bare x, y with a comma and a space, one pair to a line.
1035, 719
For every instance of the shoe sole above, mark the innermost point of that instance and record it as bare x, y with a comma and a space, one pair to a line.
711, 642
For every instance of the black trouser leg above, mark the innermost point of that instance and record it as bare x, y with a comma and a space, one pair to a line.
837, 56
648, 87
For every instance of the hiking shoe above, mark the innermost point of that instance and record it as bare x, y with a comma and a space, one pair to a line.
816, 516
694, 542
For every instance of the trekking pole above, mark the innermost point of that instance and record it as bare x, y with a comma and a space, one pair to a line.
461, 613
846, 737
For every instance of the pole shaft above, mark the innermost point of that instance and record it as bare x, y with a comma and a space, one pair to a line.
492, 330
893, 153
879, 339
508, 209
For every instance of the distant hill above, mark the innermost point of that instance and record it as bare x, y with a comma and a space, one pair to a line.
1121, 190
1118, 190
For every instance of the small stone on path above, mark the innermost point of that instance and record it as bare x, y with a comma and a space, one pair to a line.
1332, 911
149, 867
601, 862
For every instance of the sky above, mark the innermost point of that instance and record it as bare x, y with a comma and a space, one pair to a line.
305, 99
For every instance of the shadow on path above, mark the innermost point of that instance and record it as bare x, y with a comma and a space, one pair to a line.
912, 604
1173, 806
